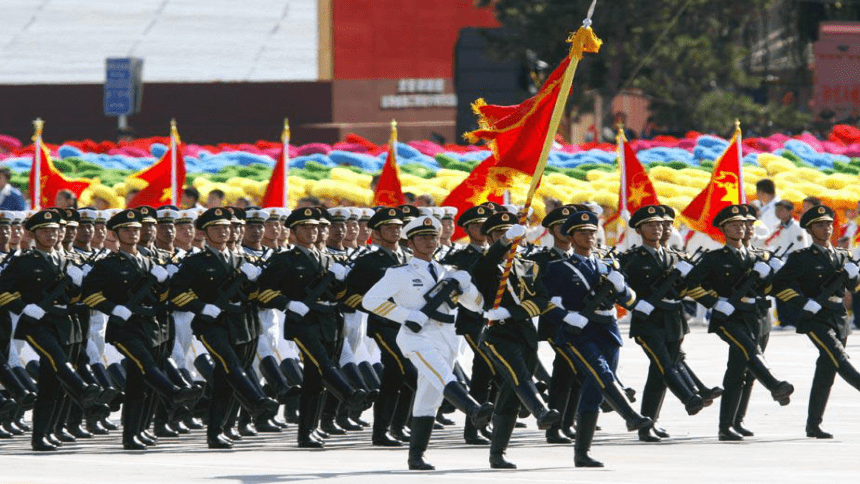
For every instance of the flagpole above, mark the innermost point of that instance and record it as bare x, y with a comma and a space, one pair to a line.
38, 124
173, 168
578, 41
739, 139
624, 210
285, 140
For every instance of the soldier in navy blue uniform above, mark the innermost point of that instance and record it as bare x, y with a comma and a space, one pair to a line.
307, 286
591, 340
39, 285
398, 374
216, 284
802, 282
511, 339
658, 325
470, 324
119, 286
730, 281
564, 383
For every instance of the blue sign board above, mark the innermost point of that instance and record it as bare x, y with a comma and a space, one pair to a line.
123, 87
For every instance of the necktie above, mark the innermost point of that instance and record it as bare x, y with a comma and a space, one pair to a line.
432, 271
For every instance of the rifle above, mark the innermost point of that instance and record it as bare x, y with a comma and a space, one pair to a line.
443, 292
316, 291
741, 289
230, 288
47, 301
834, 284
668, 281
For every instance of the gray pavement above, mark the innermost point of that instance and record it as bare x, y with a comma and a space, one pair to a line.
779, 452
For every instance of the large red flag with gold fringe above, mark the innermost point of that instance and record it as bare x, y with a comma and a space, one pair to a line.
725, 188
474, 190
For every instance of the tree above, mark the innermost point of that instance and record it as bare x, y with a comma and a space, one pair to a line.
675, 51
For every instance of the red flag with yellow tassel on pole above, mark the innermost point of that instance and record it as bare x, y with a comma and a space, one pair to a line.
725, 188
50, 180
165, 178
635, 191
474, 190
389, 192
278, 191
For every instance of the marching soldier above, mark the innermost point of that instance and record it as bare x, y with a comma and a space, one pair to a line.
657, 323
398, 374
39, 285
428, 340
213, 285
584, 290
729, 281
125, 286
815, 280
306, 285
511, 340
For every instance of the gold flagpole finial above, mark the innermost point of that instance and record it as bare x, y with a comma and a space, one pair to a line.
737, 125
620, 132
394, 130
38, 125
285, 135
174, 132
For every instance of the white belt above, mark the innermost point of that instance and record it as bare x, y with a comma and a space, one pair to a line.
670, 301
835, 299
325, 303
604, 312
748, 300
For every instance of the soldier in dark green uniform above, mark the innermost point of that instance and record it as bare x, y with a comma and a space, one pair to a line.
368, 269
471, 324
307, 285
729, 280
815, 279
511, 340
657, 323
215, 284
39, 285
125, 286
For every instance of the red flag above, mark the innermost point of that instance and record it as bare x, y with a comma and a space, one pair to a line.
725, 188
388, 190
474, 190
637, 190
165, 178
51, 180
278, 191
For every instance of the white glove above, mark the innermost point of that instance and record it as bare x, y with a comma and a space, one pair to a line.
160, 273
852, 270
211, 310
644, 307
812, 307
171, 270
339, 271
86, 270
298, 307
497, 314
417, 317
516, 231
575, 319
250, 270
121, 312
724, 307
75, 274
684, 267
762, 269
617, 280
34, 311
557, 301
775, 263
462, 277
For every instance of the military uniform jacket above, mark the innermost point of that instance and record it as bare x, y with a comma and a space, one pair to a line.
291, 276
113, 281
525, 297
804, 276
547, 328
468, 322
644, 271
200, 280
717, 274
367, 270
569, 281
26, 280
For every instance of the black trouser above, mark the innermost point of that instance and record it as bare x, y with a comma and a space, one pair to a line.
749, 381
397, 371
565, 384
317, 356
515, 363
483, 372
227, 378
145, 380
663, 356
832, 359
49, 402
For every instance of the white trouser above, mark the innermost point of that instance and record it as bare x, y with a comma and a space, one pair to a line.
96, 338
184, 340
432, 351
267, 343
352, 338
286, 348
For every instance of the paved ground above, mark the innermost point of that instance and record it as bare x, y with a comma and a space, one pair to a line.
779, 453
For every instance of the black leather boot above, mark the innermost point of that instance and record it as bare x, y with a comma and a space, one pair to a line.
25, 398
251, 397
308, 407
693, 403
369, 375
271, 371
81, 392
341, 389
531, 400
586, 424
780, 390
616, 399
422, 427
471, 435
503, 427
478, 413
743, 404
728, 411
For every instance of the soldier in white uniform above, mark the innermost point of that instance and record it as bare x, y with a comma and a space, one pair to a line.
430, 344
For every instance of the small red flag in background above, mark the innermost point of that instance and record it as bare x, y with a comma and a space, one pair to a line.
52, 181
164, 188
389, 192
277, 191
